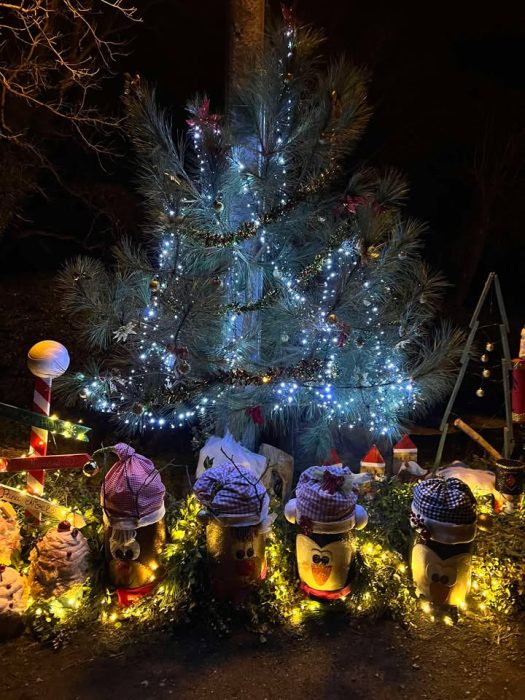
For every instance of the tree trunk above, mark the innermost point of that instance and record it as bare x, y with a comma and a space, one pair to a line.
246, 23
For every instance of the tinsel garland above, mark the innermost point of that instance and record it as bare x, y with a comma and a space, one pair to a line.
381, 580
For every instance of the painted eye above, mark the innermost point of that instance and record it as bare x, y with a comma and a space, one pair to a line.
239, 554
129, 554
316, 559
435, 578
249, 552
325, 560
119, 554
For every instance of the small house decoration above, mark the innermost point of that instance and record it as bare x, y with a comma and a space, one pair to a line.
404, 451
132, 498
14, 595
9, 533
373, 463
444, 519
58, 561
235, 512
325, 510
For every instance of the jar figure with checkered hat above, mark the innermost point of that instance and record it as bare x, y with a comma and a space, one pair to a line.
444, 520
236, 514
132, 499
325, 511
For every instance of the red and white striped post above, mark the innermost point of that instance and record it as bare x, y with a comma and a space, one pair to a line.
46, 360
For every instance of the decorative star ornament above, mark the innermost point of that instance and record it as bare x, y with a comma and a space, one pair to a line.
122, 334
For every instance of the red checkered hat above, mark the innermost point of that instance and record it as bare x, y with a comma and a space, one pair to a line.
132, 493
326, 501
233, 495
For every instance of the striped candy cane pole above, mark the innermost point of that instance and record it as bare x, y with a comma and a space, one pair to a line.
46, 360
38, 438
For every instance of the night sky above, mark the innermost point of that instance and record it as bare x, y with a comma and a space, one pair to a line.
447, 86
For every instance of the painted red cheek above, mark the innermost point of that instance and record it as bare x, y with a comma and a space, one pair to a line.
439, 593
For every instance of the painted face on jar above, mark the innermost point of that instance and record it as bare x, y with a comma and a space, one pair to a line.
247, 557
325, 566
443, 581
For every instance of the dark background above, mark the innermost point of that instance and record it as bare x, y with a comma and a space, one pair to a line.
449, 99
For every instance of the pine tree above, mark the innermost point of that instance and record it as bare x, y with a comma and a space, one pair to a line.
278, 285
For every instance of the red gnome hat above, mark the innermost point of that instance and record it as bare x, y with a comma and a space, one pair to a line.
405, 444
333, 458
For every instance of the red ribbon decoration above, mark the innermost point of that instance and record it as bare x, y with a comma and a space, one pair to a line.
331, 482
203, 118
255, 414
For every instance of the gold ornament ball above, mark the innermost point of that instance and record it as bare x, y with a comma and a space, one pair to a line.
137, 409
484, 358
183, 366
154, 285
486, 373
331, 318
480, 392
218, 205
84, 393
216, 282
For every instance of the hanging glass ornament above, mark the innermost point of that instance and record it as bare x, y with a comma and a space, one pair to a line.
84, 393
480, 392
285, 338
216, 282
277, 273
484, 358
359, 342
486, 373
218, 205
366, 302
331, 318
154, 285
489, 347
402, 255
137, 408
183, 366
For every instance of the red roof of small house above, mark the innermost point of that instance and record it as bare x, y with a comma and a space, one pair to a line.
373, 456
405, 444
333, 458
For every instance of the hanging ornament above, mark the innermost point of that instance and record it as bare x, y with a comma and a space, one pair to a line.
484, 358
331, 318
402, 255
202, 118
90, 468
154, 285
480, 392
277, 273
137, 409
216, 282
218, 205
84, 393
359, 342
288, 78
183, 366
122, 334
366, 302
285, 338
489, 347
486, 373
422, 299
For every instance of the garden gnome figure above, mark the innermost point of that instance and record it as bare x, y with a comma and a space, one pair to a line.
132, 498
235, 511
444, 519
326, 511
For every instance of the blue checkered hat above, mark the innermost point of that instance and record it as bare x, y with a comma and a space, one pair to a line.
445, 510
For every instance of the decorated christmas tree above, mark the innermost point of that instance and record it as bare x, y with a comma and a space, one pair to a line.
278, 284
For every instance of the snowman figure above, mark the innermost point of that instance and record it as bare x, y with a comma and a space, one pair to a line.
326, 511
132, 499
444, 519
235, 512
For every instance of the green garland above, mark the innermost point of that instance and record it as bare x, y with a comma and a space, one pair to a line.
381, 580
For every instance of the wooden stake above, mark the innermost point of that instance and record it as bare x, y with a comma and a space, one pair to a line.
477, 438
